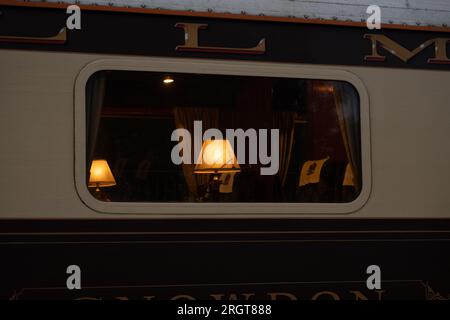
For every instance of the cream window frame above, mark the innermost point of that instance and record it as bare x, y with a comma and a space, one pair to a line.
221, 210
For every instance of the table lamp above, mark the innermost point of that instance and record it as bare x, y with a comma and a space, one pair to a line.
100, 176
216, 157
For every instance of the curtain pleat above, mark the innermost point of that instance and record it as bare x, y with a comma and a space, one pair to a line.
95, 94
184, 119
284, 121
347, 109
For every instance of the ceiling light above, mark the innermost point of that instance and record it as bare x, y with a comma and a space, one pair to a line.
168, 80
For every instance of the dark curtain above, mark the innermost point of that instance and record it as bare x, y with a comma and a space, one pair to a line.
347, 109
95, 94
184, 119
254, 109
284, 121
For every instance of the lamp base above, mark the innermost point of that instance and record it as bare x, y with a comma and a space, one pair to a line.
213, 191
100, 195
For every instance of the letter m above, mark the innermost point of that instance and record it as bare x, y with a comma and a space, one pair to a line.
440, 48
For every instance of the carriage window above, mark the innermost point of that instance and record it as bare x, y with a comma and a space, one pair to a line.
160, 137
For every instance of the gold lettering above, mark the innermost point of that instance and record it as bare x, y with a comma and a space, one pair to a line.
59, 38
182, 297
232, 296
191, 42
275, 295
440, 48
359, 295
380, 294
328, 293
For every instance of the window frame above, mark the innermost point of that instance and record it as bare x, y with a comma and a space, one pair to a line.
229, 209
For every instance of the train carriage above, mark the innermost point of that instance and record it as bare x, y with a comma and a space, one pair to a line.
194, 155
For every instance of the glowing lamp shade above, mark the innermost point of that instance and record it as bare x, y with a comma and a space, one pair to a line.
216, 156
101, 175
